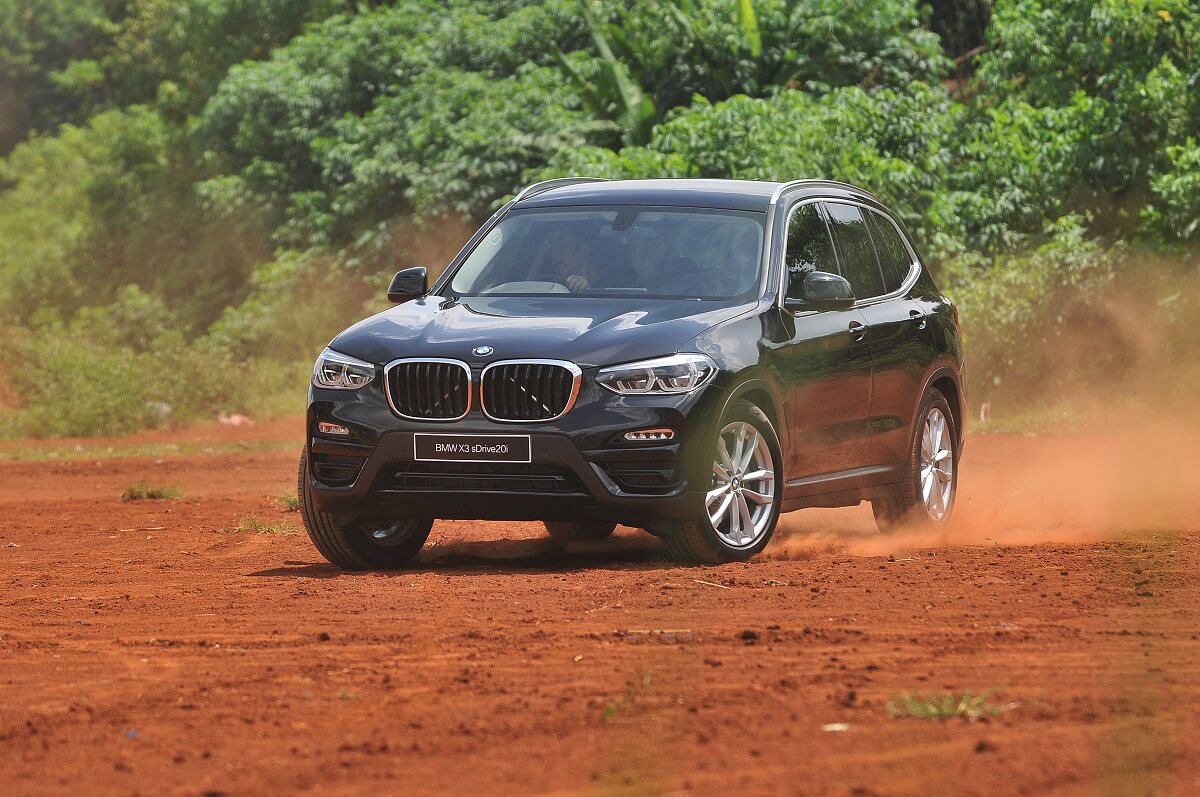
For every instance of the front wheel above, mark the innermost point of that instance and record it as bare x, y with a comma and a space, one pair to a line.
358, 543
742, 502
931, 472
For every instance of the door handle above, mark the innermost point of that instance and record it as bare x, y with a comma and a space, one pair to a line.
918, 318
858, 332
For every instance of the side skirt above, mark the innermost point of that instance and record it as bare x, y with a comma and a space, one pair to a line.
843, 488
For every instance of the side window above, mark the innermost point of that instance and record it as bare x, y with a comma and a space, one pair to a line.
809, 247
894, 259
855, 250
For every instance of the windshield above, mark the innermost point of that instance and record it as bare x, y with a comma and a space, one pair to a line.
660, 252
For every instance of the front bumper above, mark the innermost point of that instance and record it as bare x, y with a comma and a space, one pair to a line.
580, 467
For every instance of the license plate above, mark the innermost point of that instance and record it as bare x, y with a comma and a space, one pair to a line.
471, 447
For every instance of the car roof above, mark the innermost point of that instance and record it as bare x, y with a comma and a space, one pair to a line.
754, 195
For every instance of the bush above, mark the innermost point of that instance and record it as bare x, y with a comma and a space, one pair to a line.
1174, 213
218, 185
1034, 321
121, 369
894, 142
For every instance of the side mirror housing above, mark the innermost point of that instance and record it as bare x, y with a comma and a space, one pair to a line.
822, 291
409, 283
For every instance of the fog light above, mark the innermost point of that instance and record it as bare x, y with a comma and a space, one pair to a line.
333, 428
650, 435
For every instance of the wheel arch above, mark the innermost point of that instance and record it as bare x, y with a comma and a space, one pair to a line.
946, 381
761, 394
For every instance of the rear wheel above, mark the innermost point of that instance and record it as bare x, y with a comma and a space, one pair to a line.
356, 543
579, 530
743, 499
931, 473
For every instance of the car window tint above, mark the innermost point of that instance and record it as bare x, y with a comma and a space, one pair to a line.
809, 247
666, 252
894, 258
855, 250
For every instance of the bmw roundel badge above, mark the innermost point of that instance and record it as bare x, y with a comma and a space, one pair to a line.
482, 351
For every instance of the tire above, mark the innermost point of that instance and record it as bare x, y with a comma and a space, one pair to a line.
355, 543
579, 530
703, 541
911, 509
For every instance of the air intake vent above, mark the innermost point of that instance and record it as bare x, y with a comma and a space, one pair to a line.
525, 391
429, 390
471, 477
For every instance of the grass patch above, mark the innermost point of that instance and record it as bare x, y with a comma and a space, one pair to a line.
624, 701
290, 502
946, 705
144, 492
41, 452
614, 707
252, 525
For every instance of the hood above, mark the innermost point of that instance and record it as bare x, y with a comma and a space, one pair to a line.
586, 331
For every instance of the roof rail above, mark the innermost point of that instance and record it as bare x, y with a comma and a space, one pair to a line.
558, 182
813, 181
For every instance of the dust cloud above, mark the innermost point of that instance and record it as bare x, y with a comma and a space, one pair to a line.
1117, 454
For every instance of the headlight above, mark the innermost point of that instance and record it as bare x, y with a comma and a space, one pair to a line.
340, 372
679, 373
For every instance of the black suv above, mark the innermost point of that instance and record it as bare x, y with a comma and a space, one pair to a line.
691, 357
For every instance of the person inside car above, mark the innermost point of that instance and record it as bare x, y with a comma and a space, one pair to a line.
570, 258
583, 262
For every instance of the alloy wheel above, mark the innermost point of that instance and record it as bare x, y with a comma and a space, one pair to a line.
937, 465
742, 496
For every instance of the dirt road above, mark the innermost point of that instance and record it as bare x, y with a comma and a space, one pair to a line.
154, 648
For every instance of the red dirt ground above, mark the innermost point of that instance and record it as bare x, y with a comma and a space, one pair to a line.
147, 649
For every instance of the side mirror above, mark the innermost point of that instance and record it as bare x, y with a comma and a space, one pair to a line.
410, 283
822, 291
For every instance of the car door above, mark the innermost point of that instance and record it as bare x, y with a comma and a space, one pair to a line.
902, 343
822, 359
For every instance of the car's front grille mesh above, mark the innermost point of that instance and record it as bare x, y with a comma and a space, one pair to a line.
430, 389
528, 391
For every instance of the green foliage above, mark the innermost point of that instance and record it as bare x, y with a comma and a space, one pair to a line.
296, 303
1045, 51
142, 491
38, 38
123, 368
448, 142
1014, 166
895, 141
612, 93
110, 204
252, 525
287, 125
653, 57
940, 706
1135, 63
1015, 304
198, 193
44, 221
177, 51
1174, 213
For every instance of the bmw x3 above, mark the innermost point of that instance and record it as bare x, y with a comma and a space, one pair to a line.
688, 357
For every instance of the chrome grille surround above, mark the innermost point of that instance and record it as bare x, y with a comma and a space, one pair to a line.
431, 395
530, 388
